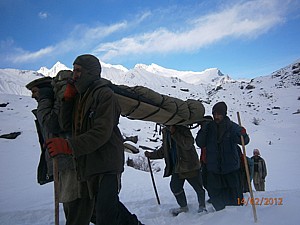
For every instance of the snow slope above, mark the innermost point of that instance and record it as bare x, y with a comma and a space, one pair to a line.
269, 108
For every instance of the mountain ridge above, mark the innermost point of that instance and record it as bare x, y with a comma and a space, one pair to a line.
162, 80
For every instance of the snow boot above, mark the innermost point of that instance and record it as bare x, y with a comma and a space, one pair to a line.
202, 210
176, 211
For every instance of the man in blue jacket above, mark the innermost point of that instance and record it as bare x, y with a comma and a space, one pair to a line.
220, 137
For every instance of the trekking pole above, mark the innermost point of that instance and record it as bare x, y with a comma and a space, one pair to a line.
153, 182
56, 190
252, 202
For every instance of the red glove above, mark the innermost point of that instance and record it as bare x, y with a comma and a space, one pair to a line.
70, 92
243, 131
58, 146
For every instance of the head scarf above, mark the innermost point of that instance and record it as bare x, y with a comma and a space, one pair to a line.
91, 72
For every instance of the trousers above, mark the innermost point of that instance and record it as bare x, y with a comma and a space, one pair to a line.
176, 185
109, 209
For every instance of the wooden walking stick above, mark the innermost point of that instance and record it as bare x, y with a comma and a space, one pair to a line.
56, 190
153, 182
252, 202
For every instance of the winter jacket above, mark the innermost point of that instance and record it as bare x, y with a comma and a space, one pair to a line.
48, 117
220, 140
45, 168
182, 142
48, 114
260, 164
96, 141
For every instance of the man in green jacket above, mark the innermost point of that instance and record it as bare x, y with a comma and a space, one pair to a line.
91, 111
182, 163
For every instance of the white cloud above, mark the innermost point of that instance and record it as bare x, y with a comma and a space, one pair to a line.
247, 19
43, 15
31, 56
80, 39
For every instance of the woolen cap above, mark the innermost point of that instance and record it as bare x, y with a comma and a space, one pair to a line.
90, 63
40, 83
256, 152
220, 108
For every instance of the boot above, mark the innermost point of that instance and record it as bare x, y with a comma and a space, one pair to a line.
202, 210
176, 211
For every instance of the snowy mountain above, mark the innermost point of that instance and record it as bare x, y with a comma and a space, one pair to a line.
53, 71
13, 81
208, 76
166, 81
270, 111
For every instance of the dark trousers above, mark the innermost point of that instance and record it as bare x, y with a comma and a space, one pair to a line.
109, 209
79, 211
224, 189
176, 186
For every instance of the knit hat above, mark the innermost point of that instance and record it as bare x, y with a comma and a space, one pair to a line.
90, 63
63, 75
256, 152
220, 108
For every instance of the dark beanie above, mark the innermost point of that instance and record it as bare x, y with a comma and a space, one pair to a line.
90, 63
220, 108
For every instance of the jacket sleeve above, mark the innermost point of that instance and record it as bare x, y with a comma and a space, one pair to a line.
66, 115
239, 131
201, 137
158, 154
264, 172
47, 114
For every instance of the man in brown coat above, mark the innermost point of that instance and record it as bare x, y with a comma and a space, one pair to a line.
260, 171
91, 111
182, 164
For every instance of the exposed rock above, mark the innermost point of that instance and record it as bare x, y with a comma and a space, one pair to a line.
12, 135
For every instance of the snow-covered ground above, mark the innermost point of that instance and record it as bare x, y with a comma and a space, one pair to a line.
274, 107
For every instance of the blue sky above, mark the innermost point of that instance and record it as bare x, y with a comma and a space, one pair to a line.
244, 39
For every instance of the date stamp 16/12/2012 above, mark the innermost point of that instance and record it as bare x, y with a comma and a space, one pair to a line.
260, 201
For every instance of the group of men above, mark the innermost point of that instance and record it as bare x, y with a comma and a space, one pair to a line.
78, 115
219, 170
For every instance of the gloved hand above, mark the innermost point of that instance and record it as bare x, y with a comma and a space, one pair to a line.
147, 154
46, 93
206, 120
58, 146
70, 92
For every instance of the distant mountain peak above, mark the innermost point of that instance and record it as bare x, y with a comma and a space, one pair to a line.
58, 66
118, 67
208, 76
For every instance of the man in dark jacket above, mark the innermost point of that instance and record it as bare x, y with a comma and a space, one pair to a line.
41, 89
182, 164
91, 110
220, 138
